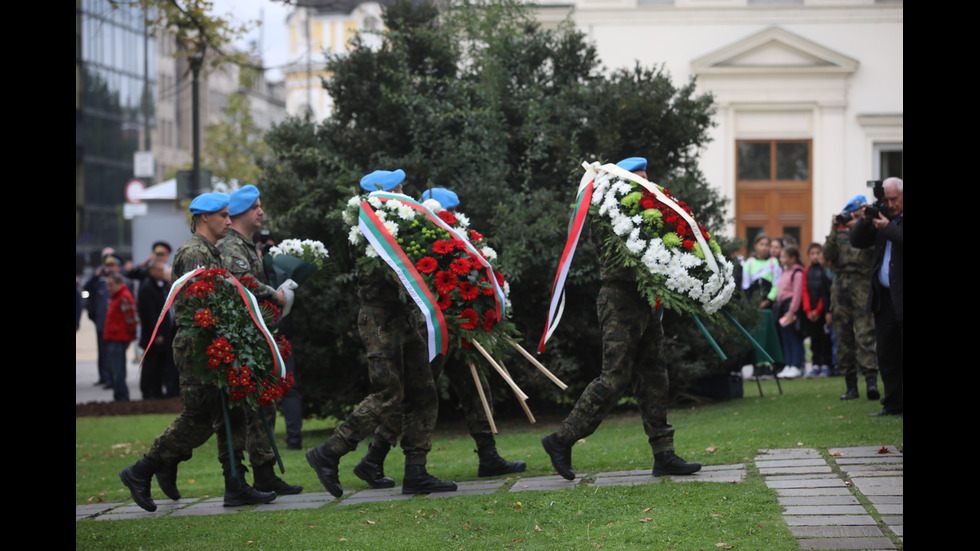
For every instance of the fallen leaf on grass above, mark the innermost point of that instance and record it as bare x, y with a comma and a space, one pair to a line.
799, 443
648, 519
537, 528
647, 509
191, 481
711, 449
836, 454
884, 450
342, 538
611, 524
716, 515
370, 522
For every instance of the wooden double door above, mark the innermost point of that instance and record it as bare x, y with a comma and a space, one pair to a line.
774, 190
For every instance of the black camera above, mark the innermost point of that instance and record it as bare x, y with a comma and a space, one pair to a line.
879, 205
843, 218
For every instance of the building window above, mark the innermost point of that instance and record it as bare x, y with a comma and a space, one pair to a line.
888, 160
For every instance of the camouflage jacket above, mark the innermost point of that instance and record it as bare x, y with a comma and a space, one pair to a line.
240, 258
196, 252
846, 258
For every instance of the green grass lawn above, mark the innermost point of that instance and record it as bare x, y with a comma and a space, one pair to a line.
669, 515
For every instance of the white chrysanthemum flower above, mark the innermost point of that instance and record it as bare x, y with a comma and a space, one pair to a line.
634, 243
355, 236
374, 201
370, 252
348, 217
688, 260
433, 205
622, 225
392, 228
462, 220
406, 212
354, 201
622, 187
489, 253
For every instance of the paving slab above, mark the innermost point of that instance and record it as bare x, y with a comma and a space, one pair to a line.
806, 483
888, 469
844, 499
553, 482
846, 543
789, 452
802, 492
92, 509
886, 500
828, 520
835, 531
789, 462
375, 495
861, 451
634, 480
881, 459
806, 476
767, 471
311, 500
213, 506
825, 510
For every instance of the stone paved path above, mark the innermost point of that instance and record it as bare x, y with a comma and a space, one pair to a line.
827, 504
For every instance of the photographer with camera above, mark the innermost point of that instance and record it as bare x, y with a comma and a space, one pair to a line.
882, 227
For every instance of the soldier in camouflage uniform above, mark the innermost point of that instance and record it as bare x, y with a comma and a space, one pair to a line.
239, 257
201, 416
853, 325
401, 380
632, 356
371, 467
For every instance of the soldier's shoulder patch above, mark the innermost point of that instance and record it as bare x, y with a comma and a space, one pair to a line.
242, 264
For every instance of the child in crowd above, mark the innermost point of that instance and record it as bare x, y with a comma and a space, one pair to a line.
816, 301
788, 311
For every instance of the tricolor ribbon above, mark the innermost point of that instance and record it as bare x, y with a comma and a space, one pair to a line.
247, 298
498, 291
575, 231
391, 252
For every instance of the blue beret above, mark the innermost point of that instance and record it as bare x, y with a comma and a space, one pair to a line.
855, 203
209, 202
383, 180
242, 199
633, 164
446, 198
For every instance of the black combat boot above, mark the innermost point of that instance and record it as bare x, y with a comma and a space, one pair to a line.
371, 468
872, 381
852, 387
419, 481
238, 492
137, 478
667, 463
267, 481
491, 464
325, 462
167, 480
561, 455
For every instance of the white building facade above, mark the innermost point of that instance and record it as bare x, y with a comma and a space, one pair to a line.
808, 93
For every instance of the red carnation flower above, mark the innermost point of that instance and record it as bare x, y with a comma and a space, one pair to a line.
460, 266
448, 217
467, 291
489, 318
443, 246
471, 317
445, 282
476, 237
427, 265
688, 244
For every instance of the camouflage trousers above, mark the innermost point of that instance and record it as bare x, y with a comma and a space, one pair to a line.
401, 385
201, 417
461, 381
854, 327
632, 356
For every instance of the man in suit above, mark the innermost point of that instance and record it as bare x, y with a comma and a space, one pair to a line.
885, 233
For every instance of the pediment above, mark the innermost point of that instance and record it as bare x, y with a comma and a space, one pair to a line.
774, 50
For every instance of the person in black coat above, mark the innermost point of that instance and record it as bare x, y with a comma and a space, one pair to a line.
158, 371
885, 233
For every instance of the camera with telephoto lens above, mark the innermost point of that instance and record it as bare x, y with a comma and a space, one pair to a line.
843, 218
871, 212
